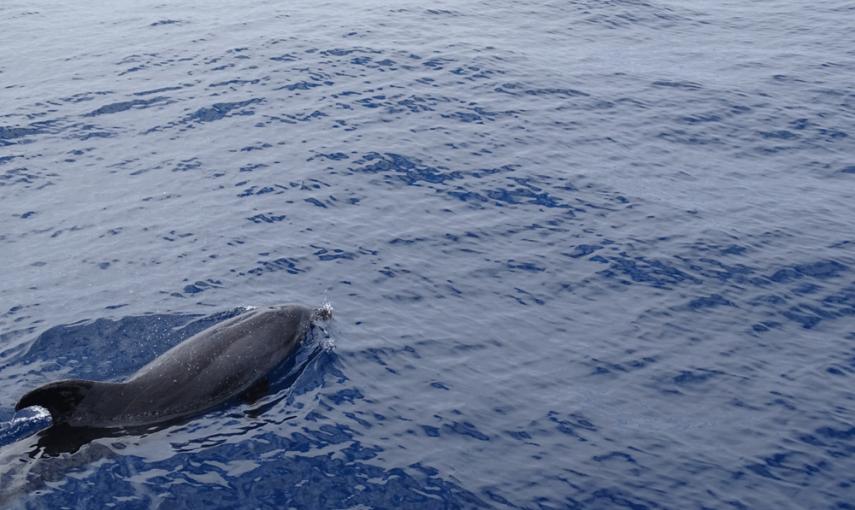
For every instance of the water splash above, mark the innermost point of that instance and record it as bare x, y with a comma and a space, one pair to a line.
25, 422
327, 340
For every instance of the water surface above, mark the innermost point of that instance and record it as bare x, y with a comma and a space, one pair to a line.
583, 254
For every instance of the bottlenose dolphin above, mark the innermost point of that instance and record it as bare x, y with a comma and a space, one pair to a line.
226, 360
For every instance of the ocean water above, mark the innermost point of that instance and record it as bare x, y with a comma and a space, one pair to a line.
582, 254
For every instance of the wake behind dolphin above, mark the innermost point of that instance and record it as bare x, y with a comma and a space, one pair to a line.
224, 361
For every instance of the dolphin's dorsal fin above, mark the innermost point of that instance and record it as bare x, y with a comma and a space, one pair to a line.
61, 398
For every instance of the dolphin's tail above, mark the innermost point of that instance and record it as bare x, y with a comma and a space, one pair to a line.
61, 398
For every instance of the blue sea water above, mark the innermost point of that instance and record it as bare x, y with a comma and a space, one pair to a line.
582, 253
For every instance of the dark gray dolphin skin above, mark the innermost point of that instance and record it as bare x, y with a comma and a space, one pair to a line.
201, 372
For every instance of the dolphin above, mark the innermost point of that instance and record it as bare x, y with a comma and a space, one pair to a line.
226, 360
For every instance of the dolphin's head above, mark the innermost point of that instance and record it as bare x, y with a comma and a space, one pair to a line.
296, 320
